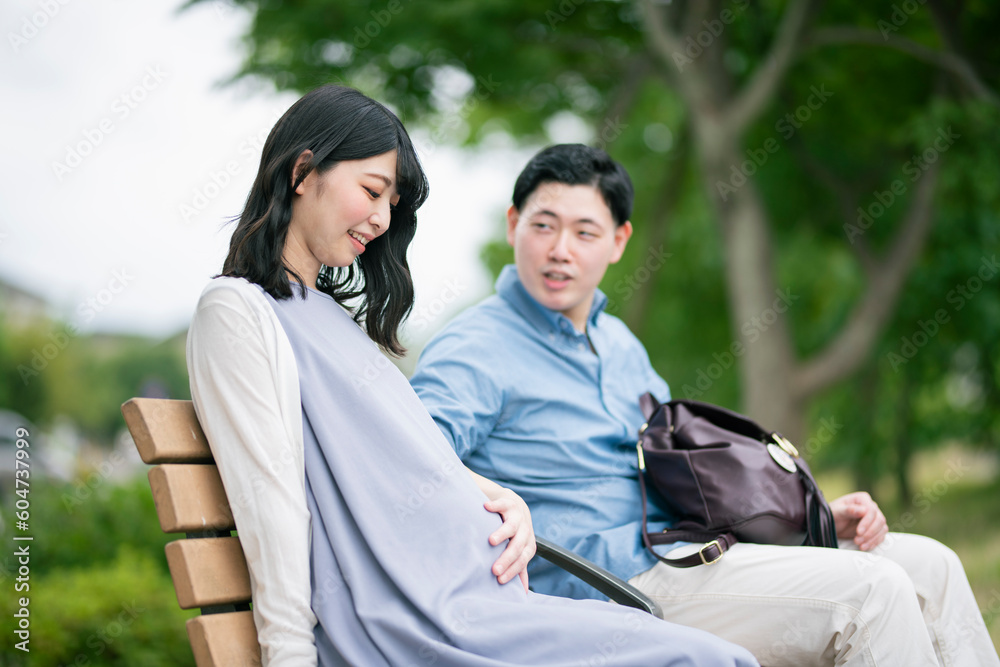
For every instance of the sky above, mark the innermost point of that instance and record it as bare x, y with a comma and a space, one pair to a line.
124, 153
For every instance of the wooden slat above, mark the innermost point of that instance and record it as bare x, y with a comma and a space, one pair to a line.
166, 431
208, 571
224, 640
190, 498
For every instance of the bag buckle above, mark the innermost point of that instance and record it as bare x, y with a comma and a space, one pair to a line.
642, 459
701, 553
786, 445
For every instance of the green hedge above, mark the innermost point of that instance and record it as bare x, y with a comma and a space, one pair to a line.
99, 590
122, 613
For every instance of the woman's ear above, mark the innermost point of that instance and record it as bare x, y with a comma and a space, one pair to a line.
299, 170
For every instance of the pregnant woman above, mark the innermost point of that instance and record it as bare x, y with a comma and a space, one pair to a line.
369, 543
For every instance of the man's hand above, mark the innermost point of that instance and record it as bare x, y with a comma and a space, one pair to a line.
857, 517
516, 528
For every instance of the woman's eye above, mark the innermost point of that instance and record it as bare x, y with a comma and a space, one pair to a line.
374, 195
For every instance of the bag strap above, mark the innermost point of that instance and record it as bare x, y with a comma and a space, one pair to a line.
648, 404
716, 544
821, 527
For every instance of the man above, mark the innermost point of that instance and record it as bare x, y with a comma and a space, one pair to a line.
537, 389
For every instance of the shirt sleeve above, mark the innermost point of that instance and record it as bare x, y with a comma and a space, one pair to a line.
235, 388
459, 393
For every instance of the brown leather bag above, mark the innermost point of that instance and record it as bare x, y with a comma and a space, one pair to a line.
726, 479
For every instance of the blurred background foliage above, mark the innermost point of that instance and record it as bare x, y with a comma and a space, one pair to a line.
755, 133
853, 98
99, 589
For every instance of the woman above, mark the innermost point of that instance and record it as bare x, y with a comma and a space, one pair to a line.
368, 542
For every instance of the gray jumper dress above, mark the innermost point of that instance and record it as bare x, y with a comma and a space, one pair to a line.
400, 553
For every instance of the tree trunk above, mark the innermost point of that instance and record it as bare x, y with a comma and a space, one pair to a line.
775, 385
757, 306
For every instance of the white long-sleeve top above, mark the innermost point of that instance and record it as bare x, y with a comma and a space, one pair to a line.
245, 388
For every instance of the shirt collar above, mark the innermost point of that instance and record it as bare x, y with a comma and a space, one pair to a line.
509, 287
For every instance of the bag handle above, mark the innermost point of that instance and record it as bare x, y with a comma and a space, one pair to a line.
715, 544
648, 404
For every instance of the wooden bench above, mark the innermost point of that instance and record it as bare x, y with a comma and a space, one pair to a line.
208, 567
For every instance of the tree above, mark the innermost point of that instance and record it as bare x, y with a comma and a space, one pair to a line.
827, 140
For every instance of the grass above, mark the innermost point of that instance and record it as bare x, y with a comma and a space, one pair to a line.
956, 501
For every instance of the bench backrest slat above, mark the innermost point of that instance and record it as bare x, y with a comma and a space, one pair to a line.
208, 572
224, 640
189, 496
166, 431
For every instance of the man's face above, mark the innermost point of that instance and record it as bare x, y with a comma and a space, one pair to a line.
564, 238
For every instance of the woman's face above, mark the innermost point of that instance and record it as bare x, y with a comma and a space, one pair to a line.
336, 214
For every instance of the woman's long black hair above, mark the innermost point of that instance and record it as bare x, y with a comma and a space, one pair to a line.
337, 124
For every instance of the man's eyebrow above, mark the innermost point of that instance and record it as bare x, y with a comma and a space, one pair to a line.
549, 213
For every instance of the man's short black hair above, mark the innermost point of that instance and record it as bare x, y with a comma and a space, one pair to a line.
576, 164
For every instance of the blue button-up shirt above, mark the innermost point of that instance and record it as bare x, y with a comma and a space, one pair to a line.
525, 402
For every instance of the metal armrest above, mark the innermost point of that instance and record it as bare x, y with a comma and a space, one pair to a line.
620, 591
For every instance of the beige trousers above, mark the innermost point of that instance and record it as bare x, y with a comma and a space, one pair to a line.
907, 603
